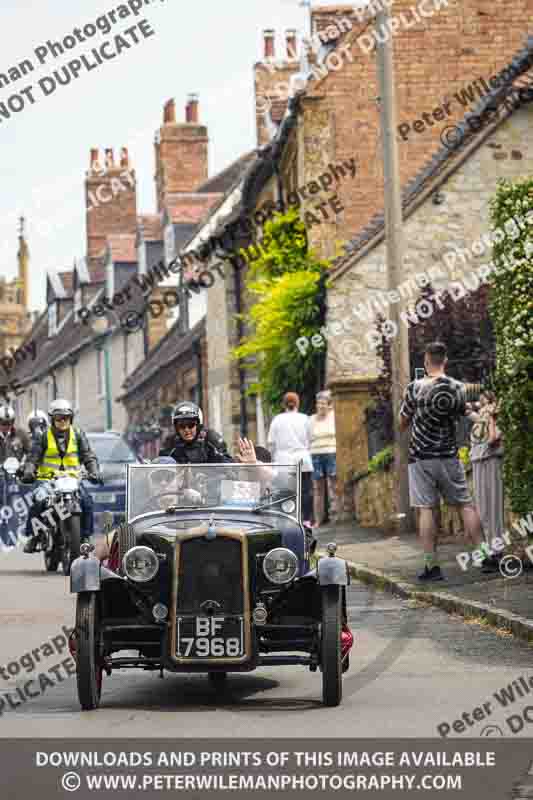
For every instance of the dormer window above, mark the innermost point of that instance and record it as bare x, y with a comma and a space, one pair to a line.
52, 319
110, 282
170, 243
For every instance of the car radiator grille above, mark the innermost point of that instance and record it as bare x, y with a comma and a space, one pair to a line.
210, 570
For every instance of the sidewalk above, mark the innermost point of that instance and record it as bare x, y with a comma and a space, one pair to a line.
392, 563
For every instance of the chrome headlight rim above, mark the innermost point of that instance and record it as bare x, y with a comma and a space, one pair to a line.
272, 554
146, 552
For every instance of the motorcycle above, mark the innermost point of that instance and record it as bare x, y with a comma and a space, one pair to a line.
8, 476
58, 501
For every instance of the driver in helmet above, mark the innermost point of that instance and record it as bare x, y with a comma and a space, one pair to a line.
195, 444
14, 442
62, 448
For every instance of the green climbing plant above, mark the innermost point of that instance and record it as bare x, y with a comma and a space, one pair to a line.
286, 283
511, 308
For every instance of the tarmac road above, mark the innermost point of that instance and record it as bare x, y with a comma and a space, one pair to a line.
412, 668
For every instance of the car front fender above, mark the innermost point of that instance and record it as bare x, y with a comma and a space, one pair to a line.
332, 571
87, 574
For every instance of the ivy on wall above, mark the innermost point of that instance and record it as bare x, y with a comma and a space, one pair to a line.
287, 283
511, 307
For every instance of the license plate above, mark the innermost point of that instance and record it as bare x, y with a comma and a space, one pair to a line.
210, 637
105, 497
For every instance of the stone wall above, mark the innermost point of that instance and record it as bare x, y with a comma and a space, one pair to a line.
430, 232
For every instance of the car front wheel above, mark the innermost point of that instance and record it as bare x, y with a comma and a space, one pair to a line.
331, 662
89, 670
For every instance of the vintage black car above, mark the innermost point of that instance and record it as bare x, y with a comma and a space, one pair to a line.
210, 573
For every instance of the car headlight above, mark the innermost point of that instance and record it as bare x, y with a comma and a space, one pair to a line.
140, 564
280, 565
288, 506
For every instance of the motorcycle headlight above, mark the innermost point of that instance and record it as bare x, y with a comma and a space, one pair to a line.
280, 565
41, 496
140, 564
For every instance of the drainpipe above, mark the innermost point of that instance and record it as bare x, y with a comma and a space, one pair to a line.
240, 336
197, 350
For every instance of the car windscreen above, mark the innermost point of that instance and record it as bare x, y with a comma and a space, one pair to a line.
259, 488
111, 449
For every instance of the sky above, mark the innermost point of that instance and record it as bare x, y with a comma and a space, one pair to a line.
208, 48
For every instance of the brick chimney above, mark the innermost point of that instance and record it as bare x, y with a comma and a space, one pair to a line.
180, 152
268, 35
110, 199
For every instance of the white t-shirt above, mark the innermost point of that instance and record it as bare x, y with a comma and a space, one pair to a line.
289, 439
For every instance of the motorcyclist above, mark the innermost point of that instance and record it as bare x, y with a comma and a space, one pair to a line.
14, 442
37, 423
62, 448
195, 444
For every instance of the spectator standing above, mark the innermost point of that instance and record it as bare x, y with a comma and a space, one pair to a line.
486, 455
289, 441
431, 407
323, 454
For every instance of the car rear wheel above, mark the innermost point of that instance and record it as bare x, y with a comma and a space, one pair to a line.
71, 541
88, 669
331, 645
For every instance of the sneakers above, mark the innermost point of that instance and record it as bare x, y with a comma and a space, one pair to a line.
433, 574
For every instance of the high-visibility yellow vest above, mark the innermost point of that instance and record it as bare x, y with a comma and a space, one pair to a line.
52, 459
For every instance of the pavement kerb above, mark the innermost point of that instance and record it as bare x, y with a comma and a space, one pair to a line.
521, 627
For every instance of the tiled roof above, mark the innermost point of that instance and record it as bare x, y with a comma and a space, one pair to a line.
437, 168
151, 226
171, 347
224, 180
122, 247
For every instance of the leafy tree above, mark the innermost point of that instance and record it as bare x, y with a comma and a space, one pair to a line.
287, 283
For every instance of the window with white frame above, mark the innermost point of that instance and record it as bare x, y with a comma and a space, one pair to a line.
141, 258
75, 388
170, 243
52, 319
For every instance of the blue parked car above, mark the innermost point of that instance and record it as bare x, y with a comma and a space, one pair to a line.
113, 453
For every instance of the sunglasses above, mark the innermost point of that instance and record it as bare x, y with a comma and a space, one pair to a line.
59, 418
6, 422
186, 426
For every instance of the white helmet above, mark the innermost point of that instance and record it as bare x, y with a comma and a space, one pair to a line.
37, 418
7, 414
61, 407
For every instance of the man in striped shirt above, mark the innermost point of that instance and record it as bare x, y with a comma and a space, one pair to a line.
431, 406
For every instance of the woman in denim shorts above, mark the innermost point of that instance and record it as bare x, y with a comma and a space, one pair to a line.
323, 452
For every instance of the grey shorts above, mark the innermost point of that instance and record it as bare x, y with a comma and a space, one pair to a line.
431, 479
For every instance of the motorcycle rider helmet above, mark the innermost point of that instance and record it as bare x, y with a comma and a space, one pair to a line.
7, 415
61, 408
37, 419
188, 412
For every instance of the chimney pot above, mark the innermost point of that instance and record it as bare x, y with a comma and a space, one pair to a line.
94, 155
290, 38
269, 42
109, 158
124, 157
169, 111
191, 109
